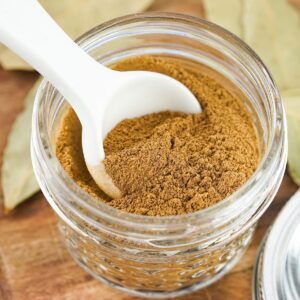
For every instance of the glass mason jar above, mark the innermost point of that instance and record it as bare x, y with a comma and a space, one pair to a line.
164, 256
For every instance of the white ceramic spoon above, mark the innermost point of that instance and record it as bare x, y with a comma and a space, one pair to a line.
100, 96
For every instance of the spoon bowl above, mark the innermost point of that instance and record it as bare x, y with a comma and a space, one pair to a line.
136, 93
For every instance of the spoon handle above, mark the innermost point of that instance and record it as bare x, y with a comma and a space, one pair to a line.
27, 29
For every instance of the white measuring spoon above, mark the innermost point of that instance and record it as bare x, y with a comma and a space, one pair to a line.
100, 96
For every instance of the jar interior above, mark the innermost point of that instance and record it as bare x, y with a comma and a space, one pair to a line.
203, 50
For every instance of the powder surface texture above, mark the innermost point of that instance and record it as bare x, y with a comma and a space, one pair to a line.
170, 163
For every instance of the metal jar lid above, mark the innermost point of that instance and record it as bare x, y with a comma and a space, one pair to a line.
277, 271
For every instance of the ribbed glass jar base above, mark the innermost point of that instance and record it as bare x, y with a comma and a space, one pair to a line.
167, 274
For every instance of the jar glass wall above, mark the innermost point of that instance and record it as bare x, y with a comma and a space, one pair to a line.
164, 256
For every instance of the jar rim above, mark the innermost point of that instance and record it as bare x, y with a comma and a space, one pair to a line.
237, 199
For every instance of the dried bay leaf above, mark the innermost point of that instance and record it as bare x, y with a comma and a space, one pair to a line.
272, 29
18, 180
291, 100
76, 17
228, 15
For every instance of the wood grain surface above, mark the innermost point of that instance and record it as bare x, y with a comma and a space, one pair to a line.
34, 264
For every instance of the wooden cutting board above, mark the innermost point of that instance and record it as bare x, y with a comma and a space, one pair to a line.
34, 264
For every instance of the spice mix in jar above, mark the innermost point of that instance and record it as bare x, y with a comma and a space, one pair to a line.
170, 163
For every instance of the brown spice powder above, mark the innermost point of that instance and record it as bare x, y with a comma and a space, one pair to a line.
170, 163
